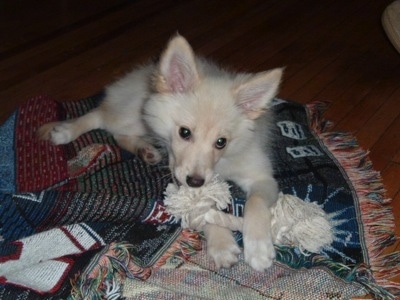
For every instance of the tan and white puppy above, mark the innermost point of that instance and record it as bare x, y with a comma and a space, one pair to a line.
211, 121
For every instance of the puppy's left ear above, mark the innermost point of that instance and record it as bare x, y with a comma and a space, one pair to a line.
254, 94
177, 69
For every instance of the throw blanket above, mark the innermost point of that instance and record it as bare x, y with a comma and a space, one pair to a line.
77, 220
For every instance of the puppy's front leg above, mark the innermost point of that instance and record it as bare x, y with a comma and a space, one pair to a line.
64, 132
221, 246
259, 250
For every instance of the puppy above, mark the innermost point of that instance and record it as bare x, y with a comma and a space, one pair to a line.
211, 121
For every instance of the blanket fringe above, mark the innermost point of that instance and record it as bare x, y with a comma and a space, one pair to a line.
104, 277
376, 214
186, 245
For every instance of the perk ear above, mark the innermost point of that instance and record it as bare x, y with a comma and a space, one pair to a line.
254, 94
177, 69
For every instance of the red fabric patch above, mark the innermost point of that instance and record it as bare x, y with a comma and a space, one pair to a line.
39, 163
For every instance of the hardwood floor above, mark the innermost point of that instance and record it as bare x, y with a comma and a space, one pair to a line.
333, 50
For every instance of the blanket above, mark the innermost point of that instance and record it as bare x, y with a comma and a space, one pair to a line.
86, 220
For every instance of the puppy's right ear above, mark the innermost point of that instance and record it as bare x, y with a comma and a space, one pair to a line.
177, 69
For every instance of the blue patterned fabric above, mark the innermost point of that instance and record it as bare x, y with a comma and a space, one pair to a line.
7, 157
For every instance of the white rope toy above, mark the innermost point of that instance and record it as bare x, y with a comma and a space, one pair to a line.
294, 221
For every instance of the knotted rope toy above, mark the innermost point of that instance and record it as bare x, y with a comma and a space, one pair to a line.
294, 222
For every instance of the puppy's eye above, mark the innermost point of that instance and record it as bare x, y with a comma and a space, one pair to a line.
220, 143
185, 133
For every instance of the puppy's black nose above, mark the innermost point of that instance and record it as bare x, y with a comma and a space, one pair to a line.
194, 181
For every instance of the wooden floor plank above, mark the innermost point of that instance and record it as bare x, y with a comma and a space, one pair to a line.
341, 108
391, 176
385, 150
396, 157
71, 43
27, 23
359, 113
329, 64
97, 61
378, 124
396, 213
272, 28
334, 59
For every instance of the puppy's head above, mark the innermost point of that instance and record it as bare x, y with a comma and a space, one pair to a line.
204, 114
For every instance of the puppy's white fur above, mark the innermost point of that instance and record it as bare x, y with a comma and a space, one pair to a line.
211, 121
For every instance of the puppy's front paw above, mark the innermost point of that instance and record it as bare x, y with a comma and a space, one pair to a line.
259, 253
224, 251
61, 134
56, 132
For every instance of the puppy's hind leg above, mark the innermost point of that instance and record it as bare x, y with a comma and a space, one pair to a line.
64, 132
140, 147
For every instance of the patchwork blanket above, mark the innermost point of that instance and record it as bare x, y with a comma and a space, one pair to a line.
86, 220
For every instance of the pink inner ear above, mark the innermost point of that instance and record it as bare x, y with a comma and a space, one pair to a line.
175, 76
254, 95
251, 100
179, 76
246, 106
